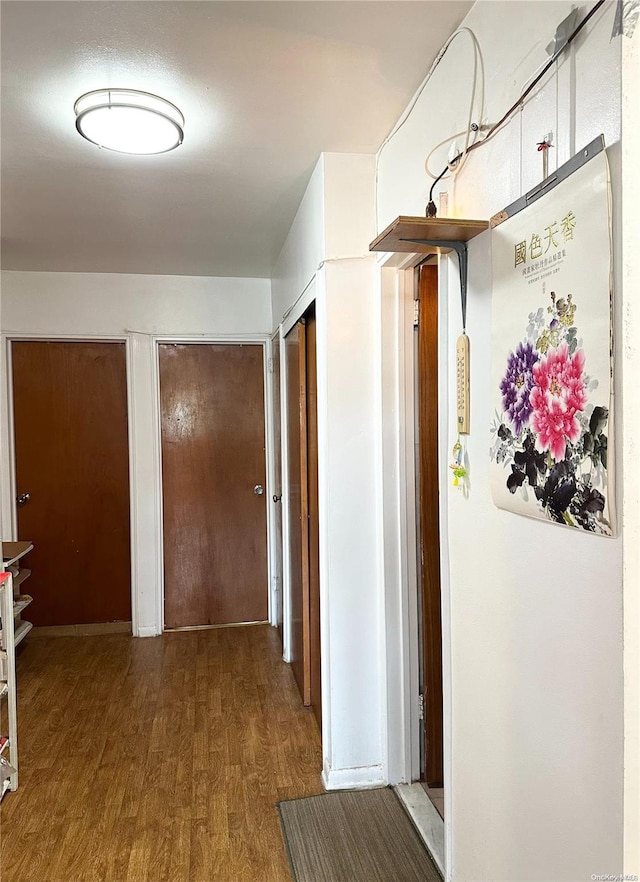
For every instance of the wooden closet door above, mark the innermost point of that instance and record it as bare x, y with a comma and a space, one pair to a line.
72, 457
295, 352
213, 456
304, 557
429, 525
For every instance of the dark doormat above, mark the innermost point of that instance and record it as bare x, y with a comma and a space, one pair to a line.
354, 836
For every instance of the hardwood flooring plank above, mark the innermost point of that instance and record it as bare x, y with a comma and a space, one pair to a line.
156, 760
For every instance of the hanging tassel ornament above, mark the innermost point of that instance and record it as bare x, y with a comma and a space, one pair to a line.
456, 466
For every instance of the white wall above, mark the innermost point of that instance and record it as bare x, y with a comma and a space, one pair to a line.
328, 244
303, 249
349, 580
536, 789
137, 308
111, 303
335, 220
631, 447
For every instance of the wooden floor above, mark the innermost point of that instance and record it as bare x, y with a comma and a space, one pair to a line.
156, 759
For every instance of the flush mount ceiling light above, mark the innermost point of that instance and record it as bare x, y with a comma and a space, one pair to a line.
129, 121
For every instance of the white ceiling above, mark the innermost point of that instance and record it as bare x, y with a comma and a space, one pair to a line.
265, 87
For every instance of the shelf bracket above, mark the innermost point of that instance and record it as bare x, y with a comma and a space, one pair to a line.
462, 251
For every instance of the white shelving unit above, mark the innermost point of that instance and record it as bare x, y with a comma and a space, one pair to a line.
8, 716
12, 554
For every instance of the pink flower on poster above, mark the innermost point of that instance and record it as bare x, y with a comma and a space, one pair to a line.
556, 398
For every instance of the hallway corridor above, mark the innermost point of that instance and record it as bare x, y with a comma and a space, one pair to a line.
156, 760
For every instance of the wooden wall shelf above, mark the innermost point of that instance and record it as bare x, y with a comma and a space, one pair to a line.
430, 235
424, 234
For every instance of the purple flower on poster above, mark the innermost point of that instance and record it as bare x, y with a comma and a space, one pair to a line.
517, 384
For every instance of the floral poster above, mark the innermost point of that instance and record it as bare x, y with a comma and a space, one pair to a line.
551, 428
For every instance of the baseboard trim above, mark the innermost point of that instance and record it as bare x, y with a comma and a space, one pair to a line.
89, 630
216, 627
148, 631
358, 778
425, 819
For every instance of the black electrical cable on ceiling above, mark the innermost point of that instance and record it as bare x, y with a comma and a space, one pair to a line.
431, 208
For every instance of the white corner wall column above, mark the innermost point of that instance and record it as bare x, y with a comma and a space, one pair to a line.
351, 583
326, 258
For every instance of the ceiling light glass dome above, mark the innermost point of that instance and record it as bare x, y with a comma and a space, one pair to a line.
129, 121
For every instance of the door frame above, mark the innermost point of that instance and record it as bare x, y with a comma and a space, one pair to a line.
262, 340
314, 292
272, 481
290, 320
9, 513
284, 489
396, 294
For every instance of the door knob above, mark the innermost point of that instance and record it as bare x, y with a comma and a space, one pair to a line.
277, 497
24, 497
258, 489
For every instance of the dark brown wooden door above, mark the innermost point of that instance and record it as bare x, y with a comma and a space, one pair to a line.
71, 441
302, 456
315, 685
429, 524
213, 455
295, 351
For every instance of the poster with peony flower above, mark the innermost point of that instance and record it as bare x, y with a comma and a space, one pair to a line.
551, 428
